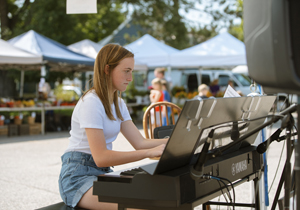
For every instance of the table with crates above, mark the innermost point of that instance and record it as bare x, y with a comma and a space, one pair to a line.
32, 127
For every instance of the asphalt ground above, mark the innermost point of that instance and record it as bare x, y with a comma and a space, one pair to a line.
30, 166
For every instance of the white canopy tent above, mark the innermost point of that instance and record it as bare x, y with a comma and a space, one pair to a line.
91, 49
13, 57
150, 51
86, 47
243, 69
221, 50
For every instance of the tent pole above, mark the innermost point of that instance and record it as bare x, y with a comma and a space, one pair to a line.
169, 78
21, 84
200, 76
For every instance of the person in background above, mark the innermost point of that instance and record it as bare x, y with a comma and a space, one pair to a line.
230, 82
214, 87
160, 74
44, 89
203, 91
156, 95
167, 98
98, 117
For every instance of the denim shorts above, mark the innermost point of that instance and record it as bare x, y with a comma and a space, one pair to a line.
77, 176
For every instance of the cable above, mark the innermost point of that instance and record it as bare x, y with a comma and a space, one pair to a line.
232, 189
277, 168
222, 191
221, 180
229, 195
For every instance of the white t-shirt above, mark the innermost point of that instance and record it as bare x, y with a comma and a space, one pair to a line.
89, 112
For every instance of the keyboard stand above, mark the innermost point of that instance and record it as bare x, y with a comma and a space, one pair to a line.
204, 201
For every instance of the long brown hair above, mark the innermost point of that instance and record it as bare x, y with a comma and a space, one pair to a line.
111, 55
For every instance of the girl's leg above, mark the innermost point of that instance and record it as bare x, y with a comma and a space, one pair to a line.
90, 201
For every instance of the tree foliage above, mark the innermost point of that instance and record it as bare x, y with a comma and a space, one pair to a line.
160, 18
163, 21
237, 30
48, 17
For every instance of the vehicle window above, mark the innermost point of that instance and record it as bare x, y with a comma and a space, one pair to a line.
138, 79
223, 80
192, 83
205, 79
183, 79
243, 79
150, 77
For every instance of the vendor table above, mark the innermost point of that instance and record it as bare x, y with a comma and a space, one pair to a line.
41, 109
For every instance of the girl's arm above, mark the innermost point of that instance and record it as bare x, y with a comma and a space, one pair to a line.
105, 158
135, 138
154, 95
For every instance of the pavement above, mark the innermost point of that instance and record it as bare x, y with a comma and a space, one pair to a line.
30, 166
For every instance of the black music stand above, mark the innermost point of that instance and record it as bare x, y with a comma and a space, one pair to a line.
190, 130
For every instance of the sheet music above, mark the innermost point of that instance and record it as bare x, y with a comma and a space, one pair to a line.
230, 92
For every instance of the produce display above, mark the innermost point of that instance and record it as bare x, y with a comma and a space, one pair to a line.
32, 103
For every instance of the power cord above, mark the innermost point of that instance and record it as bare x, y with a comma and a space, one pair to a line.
220, 179
222, 191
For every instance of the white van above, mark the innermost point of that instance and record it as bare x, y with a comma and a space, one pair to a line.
190, 79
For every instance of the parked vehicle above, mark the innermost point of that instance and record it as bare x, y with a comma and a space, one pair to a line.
190, 79
283, 100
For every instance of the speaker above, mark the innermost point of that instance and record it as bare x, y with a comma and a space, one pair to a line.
272, 40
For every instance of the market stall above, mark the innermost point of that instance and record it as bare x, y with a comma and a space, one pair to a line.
56, 56
13, 57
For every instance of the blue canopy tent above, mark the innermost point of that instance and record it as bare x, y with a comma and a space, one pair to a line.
54, 54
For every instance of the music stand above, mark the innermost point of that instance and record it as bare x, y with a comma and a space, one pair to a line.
197, 115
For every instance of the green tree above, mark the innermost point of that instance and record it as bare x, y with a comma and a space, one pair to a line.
237, 30
162, 20
201, 34
48, 17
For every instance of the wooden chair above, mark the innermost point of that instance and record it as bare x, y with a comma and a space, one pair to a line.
155, 114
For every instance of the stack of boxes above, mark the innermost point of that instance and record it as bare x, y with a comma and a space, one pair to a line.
3, 128
19, 129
